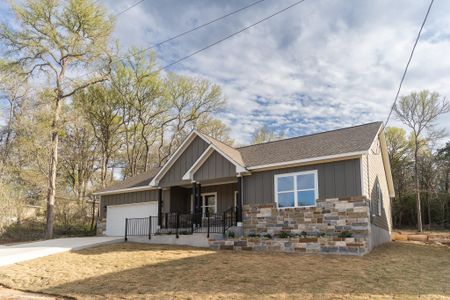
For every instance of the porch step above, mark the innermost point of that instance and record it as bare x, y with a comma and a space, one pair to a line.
194, 240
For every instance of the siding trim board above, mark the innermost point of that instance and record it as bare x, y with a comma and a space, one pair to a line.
189, 175
127, 190
313, 160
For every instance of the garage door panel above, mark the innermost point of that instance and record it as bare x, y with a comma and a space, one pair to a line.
116, 215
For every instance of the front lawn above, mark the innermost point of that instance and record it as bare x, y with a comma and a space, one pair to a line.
145, 271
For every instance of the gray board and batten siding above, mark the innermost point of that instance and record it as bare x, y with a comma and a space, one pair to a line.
174, 176
336, 180
215, 167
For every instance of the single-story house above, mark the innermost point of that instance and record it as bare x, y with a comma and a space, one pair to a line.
323, 192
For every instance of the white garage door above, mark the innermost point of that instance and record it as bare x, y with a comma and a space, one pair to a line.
116, 215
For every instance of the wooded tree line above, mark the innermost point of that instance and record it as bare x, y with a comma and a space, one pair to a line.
420, 167
434, 177
78, 115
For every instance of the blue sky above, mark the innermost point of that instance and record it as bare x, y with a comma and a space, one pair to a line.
321, 65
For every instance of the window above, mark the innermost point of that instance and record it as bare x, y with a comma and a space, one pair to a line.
296, 189
209, 203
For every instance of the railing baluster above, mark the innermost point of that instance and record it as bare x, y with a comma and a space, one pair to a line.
126, 227
208, 229
149, 227
178, 224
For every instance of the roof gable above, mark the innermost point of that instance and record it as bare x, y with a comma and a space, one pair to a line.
174, 171
216, 166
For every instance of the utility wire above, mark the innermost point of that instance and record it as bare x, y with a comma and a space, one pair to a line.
227, 37
119, 59
194, 29
409, 61
128, 8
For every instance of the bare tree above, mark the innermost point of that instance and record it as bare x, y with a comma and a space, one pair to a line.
419, 112
56, 39
265, 134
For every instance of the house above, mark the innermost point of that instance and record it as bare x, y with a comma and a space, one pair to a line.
323, 192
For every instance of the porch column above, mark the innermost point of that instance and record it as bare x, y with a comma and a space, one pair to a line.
160, 204
199, 198
239, 200
194, 197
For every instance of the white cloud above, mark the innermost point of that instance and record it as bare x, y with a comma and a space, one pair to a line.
320, 65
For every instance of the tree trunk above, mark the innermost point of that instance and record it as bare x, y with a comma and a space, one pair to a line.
416, 173
50, 214
93, 213
429, 211
103, 170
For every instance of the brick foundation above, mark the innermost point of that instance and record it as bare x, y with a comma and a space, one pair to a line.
333, 226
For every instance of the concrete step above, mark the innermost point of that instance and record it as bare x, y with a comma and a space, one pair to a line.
194, 240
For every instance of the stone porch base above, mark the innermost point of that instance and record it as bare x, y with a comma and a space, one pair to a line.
340, 226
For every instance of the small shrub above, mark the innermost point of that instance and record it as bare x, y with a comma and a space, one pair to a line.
231, 234
267, 236
345, 234
252, 234
304, 234
284, 235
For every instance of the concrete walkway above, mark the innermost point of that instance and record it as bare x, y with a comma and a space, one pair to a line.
22, 252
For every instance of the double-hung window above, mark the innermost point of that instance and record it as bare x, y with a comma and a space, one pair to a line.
298, 189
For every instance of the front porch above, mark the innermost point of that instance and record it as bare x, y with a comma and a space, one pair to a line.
200, 208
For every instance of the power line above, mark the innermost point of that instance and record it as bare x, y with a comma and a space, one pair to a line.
128, 8
119, 59
409, 61
229, 36
194, 29
125, 9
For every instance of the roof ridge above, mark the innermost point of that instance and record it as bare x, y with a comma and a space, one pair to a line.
306, 135
201, 132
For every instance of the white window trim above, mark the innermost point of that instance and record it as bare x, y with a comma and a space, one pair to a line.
380, 199
203, 202
294, 174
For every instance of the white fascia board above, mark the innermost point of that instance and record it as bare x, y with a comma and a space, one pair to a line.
189, 175
376, 136
127, 190
309, 160
187, 141
387, 164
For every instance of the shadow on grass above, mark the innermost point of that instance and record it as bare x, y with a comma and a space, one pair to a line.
393, 269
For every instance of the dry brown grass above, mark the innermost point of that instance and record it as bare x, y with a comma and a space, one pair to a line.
147, 271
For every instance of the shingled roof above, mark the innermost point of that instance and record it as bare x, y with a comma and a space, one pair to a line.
334, 142
330, 143
140, 180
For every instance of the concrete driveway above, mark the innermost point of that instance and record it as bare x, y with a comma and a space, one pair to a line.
22, 252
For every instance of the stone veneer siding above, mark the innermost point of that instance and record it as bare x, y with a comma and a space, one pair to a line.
322, 225
101, 227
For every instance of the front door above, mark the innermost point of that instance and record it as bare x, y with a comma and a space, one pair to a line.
209, 204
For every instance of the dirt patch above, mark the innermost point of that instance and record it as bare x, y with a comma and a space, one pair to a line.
395, 270
6, 294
